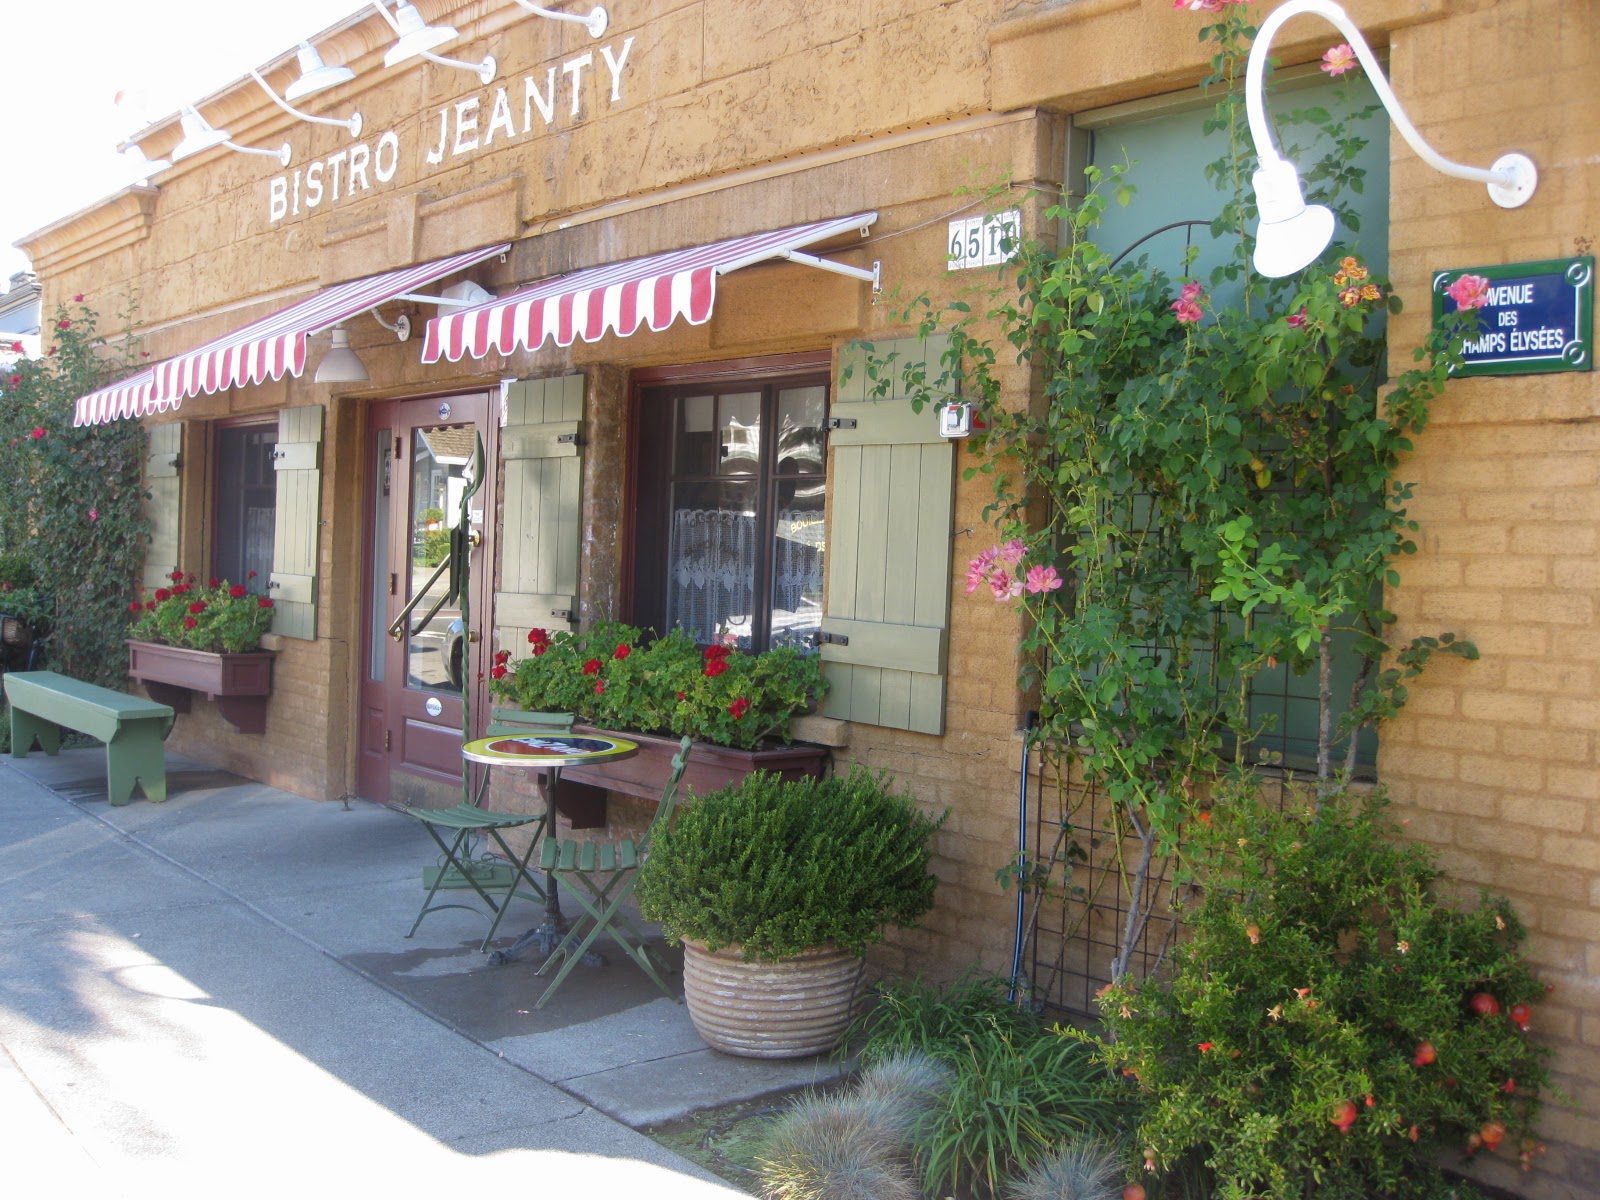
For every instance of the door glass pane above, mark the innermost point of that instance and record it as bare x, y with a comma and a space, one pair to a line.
797, 561
439, 458
739, 425
712, 561
379, 591
800, 415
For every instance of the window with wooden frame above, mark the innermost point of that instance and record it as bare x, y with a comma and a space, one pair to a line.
245, 503
729, 493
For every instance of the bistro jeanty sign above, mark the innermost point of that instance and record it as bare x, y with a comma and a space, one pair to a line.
1534, 317
493, 117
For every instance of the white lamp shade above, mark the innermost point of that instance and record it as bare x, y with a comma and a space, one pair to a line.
415, 36
197, 136
315, 75
340, 364
1291, 234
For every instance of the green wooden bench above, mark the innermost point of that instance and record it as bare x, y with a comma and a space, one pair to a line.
43, 703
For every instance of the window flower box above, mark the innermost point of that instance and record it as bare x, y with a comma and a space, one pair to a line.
710, 766
238, 684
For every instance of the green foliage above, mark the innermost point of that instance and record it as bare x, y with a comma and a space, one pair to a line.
843, 1147
435, 547
611, 677
1215, 485
782, 867
1317, 962
70, 498
1016, 1091
1082, 1168
16, 571
219, 617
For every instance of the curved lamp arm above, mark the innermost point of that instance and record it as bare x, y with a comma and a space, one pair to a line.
484, 70
353, 124
595, 22
1512, 179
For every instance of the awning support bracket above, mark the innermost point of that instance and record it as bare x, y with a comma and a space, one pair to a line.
874, 276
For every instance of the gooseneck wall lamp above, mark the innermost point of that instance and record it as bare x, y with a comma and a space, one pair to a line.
1292, 233
595, 23
199, 134
315, 76
415, 38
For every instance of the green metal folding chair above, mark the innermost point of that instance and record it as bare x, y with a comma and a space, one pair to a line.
601, 875
496, 880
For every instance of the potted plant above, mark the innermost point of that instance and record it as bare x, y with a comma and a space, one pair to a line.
737, 706
187, 638
24, 614
776, 888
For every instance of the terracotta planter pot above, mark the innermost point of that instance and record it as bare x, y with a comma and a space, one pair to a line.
239, 684
710, 767
793, 1008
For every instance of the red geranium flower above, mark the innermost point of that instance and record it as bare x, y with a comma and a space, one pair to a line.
599, 687
623, 651
163, 594
264, 602
502, 656
134, 606
535, 636
251, 575
150, 605
717, 652
37, 433
176, 577
592, 667
198, 607
715, 667
236, 591
190, 622
214, 582
738, 708
681, 695
498, 671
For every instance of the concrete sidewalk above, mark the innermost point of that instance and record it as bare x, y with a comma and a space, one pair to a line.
215, 993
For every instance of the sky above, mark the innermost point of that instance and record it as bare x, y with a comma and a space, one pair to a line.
79, 76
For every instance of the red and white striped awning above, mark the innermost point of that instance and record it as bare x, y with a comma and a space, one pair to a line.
270, 348
617, 298
130, 397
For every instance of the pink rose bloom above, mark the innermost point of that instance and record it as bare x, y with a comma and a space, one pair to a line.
1004, 585
1042, 579
1188, 312
94, 514
1296, 320
978, 569
1198, 5
1339, 59
1192, 290
1470, 291
1012, 552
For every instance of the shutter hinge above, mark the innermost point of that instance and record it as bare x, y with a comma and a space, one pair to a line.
399, 449
832, 639
393, 583
561, 614
839, 423
569, 439
388, 739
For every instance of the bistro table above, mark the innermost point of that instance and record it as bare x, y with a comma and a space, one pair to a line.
548, 753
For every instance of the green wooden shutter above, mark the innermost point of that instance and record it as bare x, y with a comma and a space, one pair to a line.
164, 481
541, 527
297, 459
892, 486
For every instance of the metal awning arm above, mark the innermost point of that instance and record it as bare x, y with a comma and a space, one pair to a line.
874, 276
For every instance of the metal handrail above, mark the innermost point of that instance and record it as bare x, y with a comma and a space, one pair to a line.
398, 626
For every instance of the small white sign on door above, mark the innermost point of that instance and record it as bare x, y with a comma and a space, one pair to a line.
983, 241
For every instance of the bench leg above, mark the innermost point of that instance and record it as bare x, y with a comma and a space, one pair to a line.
25, 727
136, 755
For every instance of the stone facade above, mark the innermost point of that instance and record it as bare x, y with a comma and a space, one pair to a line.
691, 121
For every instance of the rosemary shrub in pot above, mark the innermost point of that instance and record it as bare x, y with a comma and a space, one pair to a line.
776, 889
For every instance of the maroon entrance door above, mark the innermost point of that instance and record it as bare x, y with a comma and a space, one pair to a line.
415, 673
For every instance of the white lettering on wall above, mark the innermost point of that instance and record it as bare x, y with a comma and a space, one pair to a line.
499, 118
345, 173
615, 65
390, 141
574, 67
544, 101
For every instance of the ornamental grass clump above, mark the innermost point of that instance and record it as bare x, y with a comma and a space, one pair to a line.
220, 617
1330, 1025
779, 868
613, 676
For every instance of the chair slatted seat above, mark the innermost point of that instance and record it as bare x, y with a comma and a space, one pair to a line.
600, 876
